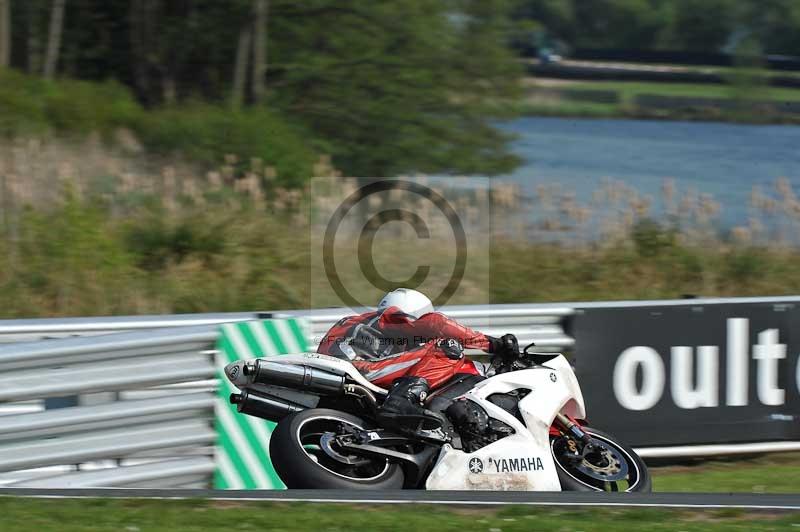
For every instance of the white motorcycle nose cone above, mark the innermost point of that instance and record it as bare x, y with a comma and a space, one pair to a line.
235, 373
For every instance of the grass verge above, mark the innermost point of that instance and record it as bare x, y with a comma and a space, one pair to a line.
189, 247
666, 101
20, 514
630, 89
774, 473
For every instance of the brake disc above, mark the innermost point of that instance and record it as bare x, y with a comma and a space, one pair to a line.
602, 462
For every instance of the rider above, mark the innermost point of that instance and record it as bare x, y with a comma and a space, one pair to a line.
407, 347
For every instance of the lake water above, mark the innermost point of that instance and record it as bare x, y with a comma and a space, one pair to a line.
724, 160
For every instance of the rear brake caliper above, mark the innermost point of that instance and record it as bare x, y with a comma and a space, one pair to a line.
330, 442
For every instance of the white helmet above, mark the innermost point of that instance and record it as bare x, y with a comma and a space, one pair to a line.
409, 301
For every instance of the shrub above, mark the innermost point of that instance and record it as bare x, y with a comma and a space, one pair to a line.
32, 105
155, 243
651, 238
746, 265
200, 132
207, 133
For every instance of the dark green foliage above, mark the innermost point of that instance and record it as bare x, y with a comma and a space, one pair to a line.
746, 265
397, 86
706, 28
632, 24
156, 244
202, 133
150, 243
30, 104
384, 87
206, 134
651, 238
692, 25
775, 24
618, 23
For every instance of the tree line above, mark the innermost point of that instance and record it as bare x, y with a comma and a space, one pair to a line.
760, 26
384, 87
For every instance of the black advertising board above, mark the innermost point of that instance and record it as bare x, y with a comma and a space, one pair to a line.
684, 374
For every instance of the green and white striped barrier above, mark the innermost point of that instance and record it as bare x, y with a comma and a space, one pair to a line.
242, 454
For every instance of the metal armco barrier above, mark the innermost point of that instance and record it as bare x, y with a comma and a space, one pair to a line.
542, 324
142, 391
47, 328
118, 414
141, 400
144, 400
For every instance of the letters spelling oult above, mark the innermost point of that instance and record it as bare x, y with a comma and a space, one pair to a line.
767, 351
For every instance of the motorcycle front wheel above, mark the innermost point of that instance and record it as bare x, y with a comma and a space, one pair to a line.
303, 451
610, 466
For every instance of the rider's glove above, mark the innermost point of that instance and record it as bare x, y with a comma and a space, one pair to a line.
451, 348
506, 346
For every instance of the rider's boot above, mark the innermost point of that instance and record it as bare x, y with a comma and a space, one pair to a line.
402, 410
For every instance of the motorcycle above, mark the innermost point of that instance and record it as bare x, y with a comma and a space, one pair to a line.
521, 427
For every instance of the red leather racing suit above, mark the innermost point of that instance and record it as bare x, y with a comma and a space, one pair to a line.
407, 346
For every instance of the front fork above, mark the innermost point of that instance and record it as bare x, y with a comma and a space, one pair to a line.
567, 427
579, 442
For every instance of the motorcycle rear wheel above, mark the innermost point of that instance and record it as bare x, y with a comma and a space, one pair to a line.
617, 459
297, 451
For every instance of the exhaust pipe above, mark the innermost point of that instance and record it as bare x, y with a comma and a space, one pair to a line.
297, 377
269, 408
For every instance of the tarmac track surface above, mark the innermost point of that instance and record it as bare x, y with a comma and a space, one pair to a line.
748, 501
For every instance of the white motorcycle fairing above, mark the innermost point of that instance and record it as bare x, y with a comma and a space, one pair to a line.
522, 461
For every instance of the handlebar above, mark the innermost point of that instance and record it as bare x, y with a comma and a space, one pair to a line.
522, 359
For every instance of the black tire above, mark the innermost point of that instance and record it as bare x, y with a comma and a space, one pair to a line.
638, 479
294, 463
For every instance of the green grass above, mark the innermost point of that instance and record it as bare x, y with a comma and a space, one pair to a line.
765, 73
767, 474
576, 95
20, 514
778, 473
569, 108
630, 89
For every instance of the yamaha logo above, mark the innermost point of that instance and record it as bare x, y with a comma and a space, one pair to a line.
516, 465
476, 465
553, 377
